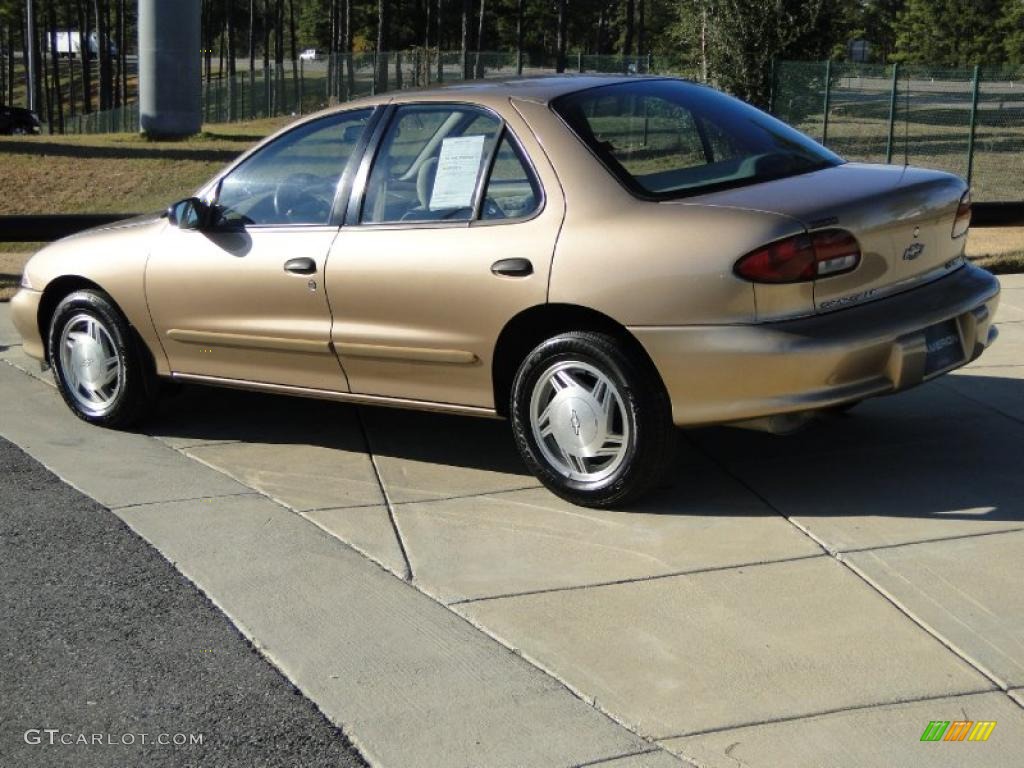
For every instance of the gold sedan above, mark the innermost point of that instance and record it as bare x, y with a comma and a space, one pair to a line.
598, 259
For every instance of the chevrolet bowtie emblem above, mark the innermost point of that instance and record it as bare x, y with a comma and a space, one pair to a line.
913, 251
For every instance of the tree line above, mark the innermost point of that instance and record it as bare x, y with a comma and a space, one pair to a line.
728, 42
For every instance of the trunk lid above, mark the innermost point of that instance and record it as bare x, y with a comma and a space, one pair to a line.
901, 216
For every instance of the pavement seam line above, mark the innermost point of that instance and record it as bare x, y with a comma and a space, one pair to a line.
475, 495
426, 501
637, 579
606, 760
192, 446
338, 507
838, 557
826, 712
944, 641
352, 546
940, 539
408, 576
587, 699
117, 507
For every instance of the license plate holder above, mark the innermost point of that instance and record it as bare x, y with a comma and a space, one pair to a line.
945, 349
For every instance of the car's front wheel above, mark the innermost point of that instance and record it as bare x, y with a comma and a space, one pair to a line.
100, 367
591, 421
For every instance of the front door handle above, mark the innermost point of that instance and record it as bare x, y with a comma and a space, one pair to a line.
512, 267
300, 266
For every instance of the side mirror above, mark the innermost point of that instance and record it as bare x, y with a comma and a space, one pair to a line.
191, 213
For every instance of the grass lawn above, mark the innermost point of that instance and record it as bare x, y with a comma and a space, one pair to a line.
109, 173
115, 173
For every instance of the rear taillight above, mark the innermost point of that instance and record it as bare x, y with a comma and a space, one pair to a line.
799, 259
963, 216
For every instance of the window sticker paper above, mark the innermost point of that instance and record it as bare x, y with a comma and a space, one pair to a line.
457, 169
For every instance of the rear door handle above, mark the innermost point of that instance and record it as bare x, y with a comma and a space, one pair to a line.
300, 266
512, 267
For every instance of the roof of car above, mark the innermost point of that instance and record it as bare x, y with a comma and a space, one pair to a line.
542, 88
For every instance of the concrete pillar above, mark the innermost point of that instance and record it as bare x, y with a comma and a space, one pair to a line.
170, 75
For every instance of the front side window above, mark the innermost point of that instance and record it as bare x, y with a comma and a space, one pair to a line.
429, 164
669, 138
293, 180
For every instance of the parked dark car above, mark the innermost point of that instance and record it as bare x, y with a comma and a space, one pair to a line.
15, 121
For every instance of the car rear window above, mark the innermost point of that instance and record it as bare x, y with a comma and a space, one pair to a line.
670, 138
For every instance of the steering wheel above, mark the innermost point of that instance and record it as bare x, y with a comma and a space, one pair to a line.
294, 198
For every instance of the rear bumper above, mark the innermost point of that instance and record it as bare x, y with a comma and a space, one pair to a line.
25, 316
718, 374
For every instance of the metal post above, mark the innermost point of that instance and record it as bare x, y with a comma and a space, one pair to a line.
30, 41
302, 82
170, 82
974, 120
579, 61
825, 106
892, 112
771, 88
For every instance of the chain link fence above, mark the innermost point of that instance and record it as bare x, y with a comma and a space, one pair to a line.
284, 89
966, 121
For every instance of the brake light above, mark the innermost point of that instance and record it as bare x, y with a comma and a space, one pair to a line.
802, 258
963, 216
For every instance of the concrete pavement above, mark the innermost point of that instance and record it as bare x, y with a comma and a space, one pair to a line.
812, 600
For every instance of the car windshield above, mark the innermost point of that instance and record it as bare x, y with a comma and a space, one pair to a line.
670, 138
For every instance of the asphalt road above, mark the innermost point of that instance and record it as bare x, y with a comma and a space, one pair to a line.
103, 641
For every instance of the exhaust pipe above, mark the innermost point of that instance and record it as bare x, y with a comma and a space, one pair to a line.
778, 424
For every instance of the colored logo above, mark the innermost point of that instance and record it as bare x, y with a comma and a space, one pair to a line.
958, 730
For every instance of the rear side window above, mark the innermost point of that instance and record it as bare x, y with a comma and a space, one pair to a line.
670, 138
512, 191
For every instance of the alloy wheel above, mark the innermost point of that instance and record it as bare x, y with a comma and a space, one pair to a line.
579, 421
92, 368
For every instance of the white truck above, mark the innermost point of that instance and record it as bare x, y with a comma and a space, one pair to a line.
69, 43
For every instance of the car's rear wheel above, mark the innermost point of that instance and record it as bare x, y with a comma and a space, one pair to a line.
101, 369
591, 422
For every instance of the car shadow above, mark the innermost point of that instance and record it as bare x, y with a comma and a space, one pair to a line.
945, 450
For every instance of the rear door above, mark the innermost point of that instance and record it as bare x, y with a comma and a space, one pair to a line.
449, 234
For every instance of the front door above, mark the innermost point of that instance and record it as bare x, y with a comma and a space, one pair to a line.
245, 300
452, 237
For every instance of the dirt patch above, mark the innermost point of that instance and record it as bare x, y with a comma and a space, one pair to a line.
995, 241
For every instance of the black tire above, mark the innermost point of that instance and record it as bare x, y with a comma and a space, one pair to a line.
641, 409
137, 388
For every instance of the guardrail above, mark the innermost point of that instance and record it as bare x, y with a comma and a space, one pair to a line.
47, 228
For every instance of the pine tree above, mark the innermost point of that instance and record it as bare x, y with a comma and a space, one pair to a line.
950, 33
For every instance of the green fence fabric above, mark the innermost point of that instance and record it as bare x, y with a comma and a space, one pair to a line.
966, 121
